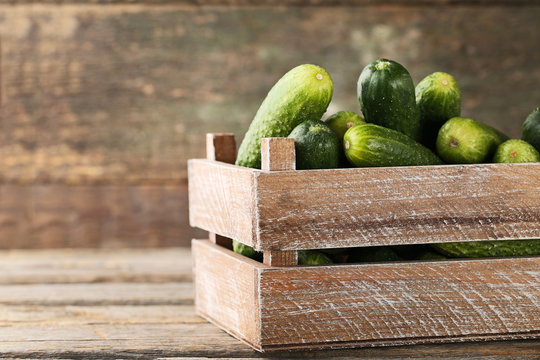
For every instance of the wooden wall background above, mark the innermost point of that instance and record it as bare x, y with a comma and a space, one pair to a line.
104, 101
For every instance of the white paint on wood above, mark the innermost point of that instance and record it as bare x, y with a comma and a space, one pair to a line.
377, 304
294, 210
392, 206
221, 199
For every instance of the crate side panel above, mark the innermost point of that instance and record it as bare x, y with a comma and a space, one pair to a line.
401, 205
221, 199
373, 303
225, 290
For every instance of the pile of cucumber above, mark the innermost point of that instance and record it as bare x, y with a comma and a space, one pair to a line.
402, 125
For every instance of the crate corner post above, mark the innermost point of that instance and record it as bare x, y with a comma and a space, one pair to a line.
278, 154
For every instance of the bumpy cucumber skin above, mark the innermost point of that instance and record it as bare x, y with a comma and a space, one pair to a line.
467, 141
342, 121
301, 94
516, 151
313, 257
373, 145
531, 129
438, 99
501, 248
316, 146
387, 97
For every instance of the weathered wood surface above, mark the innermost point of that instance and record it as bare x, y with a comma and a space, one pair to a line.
56, 216
125, 93
149, 331
387, 303
291, 210
225, 290
221, 199
363, 207
221, 147
371, 304
63, 266
278, 154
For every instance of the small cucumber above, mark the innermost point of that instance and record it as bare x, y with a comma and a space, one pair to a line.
387, 97
313, 257
490, 248
316, 146
516, 151
301, 94
373, 145
438, 98
466, 141
340, 122
531, 129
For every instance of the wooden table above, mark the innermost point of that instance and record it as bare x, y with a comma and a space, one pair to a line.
110, 304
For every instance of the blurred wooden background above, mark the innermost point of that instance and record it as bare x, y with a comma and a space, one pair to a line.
104, 101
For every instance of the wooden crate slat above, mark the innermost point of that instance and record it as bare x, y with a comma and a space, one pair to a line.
399, 205
221, 199
225, 290
392, 302
358, 305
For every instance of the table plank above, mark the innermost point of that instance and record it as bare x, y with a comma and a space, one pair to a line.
36, 315
139, 304
95, 265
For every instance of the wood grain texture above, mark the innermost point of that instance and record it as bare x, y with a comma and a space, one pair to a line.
56, 216
277, 154
62, 266
293, 210
280, 258
377, 304
404, 205
226, 287
221, 199
150, 331
123, 94
221, 147
387, 303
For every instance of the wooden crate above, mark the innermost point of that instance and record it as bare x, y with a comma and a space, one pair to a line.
278, 210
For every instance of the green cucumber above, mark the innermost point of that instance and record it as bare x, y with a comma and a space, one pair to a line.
316, 146
438, 99
466, 141
313, 257
301, 94
342, 121
373, 145
490, 248
516, 151
246, 250
531, 129
387, 97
